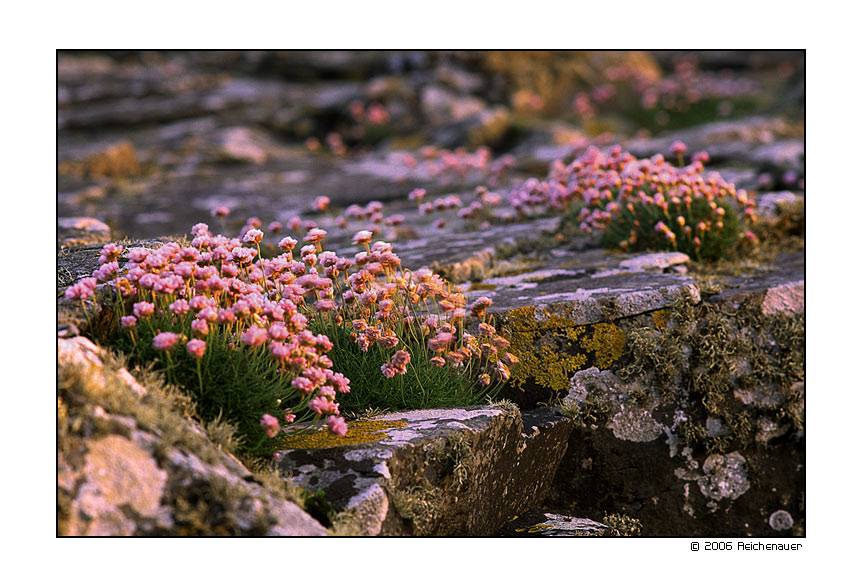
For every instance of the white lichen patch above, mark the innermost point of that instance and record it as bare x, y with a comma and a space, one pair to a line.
635, 425
725, 477
400, 436
780, 520
365, 454
529, 279
436, 416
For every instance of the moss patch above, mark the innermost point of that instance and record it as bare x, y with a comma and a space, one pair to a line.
622, 525
711, 360
359, 432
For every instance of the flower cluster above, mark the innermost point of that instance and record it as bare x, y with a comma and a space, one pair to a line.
459, 164
685, 87
642, 203
219, 291
389, 307
477, 213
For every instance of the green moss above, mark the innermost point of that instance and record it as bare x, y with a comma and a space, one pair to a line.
550, 350
704, 355
420, 504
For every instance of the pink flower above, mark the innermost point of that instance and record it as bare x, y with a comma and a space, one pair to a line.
304, 384
417, 194
275, 227
479, 307
200, 327
128, 322
196, 348
321, 203
254, 336
337, 425
287, 243
270, 425
253, 236
289, 417
362, 237
180, 307
325, 305
322, 405
143, 309
315, 235
220, 212
225, 316
165, 341
678, 148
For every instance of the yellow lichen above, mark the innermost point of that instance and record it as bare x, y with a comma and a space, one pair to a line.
359, 432
660, 318
551, 348
607, 342
118, 160
481, 286
538, 528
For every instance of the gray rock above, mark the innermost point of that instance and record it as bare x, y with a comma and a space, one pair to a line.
540, 524
654, 261
116, 476
460, 471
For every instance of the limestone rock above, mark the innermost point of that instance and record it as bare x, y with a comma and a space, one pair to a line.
119, 475
540, 524
239, 144
454, 472
80, 231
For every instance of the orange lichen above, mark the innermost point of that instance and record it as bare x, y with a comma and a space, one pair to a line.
359, 432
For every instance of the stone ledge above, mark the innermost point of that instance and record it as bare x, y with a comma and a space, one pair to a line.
450, 472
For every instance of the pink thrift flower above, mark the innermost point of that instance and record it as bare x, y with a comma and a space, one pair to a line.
180, 307
220, 211
362, 237
678, 148
315, 235
196, 348
128, 322
270, 425
337, 425
322, 405
304, 384
253, 236
143, 309
254, 336
321, 203
165, 341
200, 327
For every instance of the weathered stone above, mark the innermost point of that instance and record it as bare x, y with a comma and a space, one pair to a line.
654, 261
776, 289
441, 107
117, 477
586, 299
80, 231
435, 472
540, 524
239, 144
770, 204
